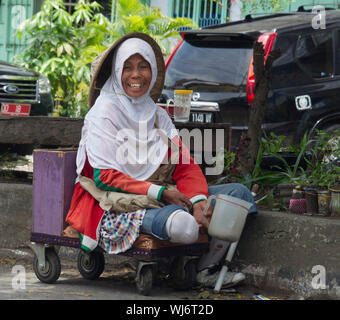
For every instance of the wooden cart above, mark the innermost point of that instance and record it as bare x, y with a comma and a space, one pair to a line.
54, 174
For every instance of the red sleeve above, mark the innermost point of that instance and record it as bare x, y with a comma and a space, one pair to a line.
188, 176
113, 180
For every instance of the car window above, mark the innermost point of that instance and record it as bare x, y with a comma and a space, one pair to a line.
314, 54
202, 64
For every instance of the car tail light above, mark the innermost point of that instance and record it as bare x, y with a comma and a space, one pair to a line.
173, 52
267, 39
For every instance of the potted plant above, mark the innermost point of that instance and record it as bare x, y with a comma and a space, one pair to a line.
297, 203
318, 174
329, 175
334, 188
293, 172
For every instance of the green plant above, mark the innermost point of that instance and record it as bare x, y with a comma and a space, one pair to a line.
57, 40
269, 200
257, 176
294, 174
274, 143
320, 172
136, 17
334, 177
265, 5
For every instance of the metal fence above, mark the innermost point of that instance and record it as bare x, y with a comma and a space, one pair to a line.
206, 12
203, 12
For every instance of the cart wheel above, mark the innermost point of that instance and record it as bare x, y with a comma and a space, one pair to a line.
144, 280
91, 265
183, 273
51, 272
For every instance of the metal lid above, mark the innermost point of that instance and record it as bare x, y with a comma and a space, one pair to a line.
183, 91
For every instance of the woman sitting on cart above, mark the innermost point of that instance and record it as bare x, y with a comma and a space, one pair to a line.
120, 152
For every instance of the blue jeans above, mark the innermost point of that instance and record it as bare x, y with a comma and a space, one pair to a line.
155, 219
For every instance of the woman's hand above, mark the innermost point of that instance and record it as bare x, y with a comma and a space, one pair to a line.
198, 213
175, 197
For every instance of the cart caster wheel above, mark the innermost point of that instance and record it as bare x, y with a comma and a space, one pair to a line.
51, 272
144, 280
183, 273
91, 265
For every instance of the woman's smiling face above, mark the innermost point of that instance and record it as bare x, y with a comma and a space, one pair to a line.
136, 76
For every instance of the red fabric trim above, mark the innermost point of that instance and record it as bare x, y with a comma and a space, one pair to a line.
117, 179
85, 213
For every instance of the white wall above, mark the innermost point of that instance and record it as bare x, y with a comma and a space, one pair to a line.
162, 4
236, 10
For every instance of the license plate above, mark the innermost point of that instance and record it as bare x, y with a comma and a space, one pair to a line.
202, 117
15, 109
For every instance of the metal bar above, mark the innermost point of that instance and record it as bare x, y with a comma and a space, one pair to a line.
194, 11
6, 14
197, 10
17, 95
22, 101
183, 8
170, 8
224, 9
1, 10
177, 8
224, 269
18, 84
14, 37
217, 10
18, 78
22, 90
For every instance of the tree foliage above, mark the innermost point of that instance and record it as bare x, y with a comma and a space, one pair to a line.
62, 46
134, 16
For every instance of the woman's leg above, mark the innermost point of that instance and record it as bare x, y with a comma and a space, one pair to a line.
236, 190
171, 222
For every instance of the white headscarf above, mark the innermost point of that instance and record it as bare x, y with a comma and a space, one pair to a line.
119, 131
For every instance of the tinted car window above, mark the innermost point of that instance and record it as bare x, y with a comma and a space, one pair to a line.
200, 65
314, 53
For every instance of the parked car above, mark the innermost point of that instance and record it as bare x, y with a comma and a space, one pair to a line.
24, 92
216, 63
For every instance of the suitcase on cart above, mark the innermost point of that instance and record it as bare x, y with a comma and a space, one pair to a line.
54, 174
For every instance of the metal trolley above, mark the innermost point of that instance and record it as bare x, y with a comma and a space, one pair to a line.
53, 183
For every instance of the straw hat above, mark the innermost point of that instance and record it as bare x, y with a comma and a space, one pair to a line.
102, 67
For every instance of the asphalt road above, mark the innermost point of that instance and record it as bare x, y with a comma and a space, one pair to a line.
18, 281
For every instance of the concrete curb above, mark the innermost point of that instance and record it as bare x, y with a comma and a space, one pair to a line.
292, 253
287, 252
